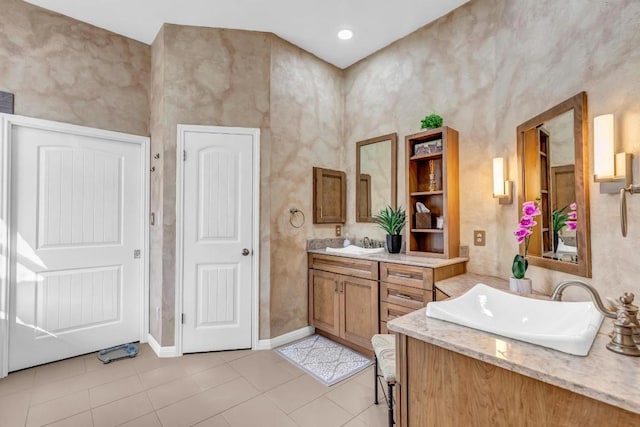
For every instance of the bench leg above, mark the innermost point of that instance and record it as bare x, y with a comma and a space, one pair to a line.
391, 423
375, 380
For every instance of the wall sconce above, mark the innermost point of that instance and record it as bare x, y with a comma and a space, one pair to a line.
612, 171
502, 189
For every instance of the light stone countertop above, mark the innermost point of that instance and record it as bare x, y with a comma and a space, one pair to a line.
458, 285
397, 258
601, 375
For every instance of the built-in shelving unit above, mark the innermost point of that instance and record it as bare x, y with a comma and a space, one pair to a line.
432, 179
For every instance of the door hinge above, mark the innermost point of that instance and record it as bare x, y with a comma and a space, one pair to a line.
136, 253
184, 155
182, 318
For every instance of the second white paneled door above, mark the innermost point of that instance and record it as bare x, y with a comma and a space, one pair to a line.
217, 238
77, 212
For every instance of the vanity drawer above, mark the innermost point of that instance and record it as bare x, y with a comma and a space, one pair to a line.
405, 296
354, 267
408, 275
391, 311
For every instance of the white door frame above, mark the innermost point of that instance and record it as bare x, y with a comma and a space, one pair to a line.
7, 122
255, 228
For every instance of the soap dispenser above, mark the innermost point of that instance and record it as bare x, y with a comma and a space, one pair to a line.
346, 242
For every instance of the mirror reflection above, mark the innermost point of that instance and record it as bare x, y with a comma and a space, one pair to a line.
550, 166
376, 160
552, 158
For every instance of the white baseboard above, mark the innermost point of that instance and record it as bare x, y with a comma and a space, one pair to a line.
161, 351
278, 341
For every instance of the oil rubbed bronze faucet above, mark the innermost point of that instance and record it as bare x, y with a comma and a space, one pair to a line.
560, 287
625, 337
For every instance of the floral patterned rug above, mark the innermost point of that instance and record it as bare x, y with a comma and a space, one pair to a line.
325, 360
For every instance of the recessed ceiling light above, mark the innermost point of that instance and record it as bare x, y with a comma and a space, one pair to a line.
345, 34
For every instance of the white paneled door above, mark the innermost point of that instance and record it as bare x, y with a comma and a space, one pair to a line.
77, 205
217, 188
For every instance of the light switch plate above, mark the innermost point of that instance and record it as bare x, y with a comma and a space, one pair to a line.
479, 237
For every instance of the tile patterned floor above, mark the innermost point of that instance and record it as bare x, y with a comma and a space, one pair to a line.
225, 389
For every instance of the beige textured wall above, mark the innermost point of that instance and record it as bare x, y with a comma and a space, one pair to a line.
157, 185
446, 67
206, 76
65, 70
306, 122
548, 51
487, 67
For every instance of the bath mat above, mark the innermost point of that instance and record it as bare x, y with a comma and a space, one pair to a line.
325, 360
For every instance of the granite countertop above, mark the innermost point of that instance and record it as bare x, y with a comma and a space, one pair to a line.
457, 285
397, 258
601, 375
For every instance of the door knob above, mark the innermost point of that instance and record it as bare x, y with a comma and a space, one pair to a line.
245, 252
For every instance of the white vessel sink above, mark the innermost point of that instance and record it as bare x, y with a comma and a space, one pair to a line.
356, 250
569, 327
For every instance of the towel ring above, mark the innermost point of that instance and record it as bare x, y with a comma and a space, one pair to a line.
292, 214
632, 189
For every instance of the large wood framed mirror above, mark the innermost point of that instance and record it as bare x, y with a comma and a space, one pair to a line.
553, 163
376, 176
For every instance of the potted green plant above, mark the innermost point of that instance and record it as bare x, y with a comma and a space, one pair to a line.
392, 221
560, 219
431, 121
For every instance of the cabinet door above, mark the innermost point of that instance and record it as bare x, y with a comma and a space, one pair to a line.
359, 309
324, 301
329, 196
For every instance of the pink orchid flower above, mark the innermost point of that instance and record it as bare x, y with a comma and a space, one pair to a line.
530, 209
522, 232
527, 222
571, 225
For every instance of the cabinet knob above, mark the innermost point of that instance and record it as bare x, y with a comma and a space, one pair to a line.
245, 252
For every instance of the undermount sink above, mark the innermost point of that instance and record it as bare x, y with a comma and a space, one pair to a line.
356, 250
569, 327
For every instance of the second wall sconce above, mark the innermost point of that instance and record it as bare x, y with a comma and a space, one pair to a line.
502, 189
611, 170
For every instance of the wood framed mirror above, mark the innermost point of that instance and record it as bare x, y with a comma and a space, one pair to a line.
376, 176
553, 162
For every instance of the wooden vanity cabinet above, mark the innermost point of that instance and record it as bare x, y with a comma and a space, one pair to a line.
343, 299
403, 289
352, 299
406, 288
439, 387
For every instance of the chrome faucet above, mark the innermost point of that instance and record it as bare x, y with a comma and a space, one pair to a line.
366, 242
626, 329
560, 287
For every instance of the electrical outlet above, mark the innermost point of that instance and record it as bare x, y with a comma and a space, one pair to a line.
464, 251
479, 237
338, 230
